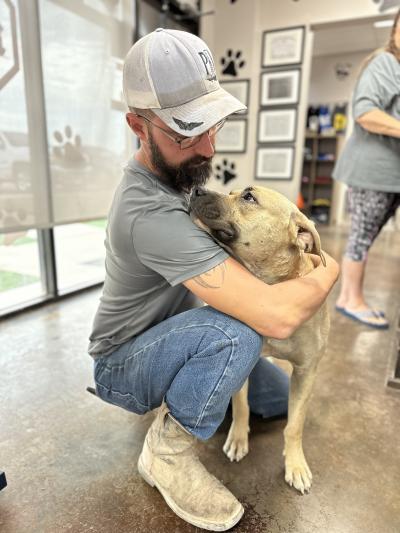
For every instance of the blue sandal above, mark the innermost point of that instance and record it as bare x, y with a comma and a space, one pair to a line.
364, 316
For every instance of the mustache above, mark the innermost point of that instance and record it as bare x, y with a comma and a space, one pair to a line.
197, 160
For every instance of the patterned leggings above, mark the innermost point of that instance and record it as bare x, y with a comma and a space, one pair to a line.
370, 210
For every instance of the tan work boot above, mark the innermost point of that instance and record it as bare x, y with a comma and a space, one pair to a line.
168, 462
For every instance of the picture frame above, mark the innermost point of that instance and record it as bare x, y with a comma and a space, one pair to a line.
277, 125
231, 139
281, 47
281, 87
240, 89
274, 163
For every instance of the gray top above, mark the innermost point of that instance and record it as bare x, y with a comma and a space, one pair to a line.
152, 245
370, 160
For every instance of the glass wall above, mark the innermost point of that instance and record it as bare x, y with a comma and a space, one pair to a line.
63, 141
20, 275
82, 48
17, 202
80, 254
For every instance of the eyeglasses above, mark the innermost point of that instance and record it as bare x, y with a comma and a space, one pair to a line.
188, 142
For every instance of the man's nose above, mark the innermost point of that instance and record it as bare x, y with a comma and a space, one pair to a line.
205, 147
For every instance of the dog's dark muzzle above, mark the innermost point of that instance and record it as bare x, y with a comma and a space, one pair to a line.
206, 206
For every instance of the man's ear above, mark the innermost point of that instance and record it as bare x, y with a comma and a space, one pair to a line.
137, 125
305, 235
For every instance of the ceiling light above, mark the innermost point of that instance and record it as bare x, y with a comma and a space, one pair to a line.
383, 23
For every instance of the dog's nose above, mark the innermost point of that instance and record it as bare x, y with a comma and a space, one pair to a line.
199, 191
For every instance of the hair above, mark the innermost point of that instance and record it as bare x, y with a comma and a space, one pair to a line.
390, 46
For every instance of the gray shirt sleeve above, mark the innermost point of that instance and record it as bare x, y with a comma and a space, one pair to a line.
378, 85
168, 242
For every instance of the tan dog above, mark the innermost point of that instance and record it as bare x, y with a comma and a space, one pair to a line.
266, 232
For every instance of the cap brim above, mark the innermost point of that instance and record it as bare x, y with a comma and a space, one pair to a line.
199, 115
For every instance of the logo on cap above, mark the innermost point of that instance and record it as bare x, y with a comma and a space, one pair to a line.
186, 125
208, 63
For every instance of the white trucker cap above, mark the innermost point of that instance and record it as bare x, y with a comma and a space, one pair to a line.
172, 73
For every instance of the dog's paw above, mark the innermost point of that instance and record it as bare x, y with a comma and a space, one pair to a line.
237, 444
298, 473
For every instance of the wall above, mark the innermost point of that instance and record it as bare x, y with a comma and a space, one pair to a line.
325, 87
238, 26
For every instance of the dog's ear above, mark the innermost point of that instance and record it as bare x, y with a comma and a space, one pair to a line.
305, 235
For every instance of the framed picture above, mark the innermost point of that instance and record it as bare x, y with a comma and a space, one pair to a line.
274, 163
282, 47
232, 137
277, 125
280, 88
240, 90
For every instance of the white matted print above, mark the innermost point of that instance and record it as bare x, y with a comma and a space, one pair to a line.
280, 88
282, 47
239, 89
274, 163
232, 137
277, 125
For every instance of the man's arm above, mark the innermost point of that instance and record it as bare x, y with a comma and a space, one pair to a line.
271, 310
377, 121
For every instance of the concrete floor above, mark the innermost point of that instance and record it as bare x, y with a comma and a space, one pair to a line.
70, 459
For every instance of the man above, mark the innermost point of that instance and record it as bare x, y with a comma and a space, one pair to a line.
153, 341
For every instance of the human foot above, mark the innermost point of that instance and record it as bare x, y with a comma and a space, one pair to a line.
365, 315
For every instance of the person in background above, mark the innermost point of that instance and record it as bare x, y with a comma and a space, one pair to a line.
370, 166
153, 341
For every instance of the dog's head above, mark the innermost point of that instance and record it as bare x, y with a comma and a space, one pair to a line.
259, 227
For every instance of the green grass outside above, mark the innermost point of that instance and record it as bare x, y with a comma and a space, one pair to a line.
13, 280
17, 242
101, 223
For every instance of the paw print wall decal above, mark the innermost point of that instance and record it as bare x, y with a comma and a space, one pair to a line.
226, 171
232, 62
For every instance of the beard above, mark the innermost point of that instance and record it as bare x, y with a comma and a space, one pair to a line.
192, 173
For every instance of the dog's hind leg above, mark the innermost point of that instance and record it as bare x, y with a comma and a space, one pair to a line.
297, 471
237, 443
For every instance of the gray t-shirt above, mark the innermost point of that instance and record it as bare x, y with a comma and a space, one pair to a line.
152, 246
370, 160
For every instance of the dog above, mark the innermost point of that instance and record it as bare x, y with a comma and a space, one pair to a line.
268, 234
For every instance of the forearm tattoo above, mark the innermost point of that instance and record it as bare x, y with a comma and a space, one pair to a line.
217, 283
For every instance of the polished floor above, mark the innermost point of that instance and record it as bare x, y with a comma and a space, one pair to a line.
70, 459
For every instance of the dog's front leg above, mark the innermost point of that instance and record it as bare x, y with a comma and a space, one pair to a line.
297, 472
237, 443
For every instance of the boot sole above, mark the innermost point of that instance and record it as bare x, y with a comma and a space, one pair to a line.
183, 514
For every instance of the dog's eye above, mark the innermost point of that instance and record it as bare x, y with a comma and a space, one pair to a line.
249, 197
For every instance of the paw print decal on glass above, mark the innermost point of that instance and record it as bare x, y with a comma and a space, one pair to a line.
226, 171
69, 149
232, 62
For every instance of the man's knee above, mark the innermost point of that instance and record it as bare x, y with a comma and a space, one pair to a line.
249, 339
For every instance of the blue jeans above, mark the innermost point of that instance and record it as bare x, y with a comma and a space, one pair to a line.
195, 360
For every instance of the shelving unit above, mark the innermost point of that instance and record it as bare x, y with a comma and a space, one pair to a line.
320, 154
